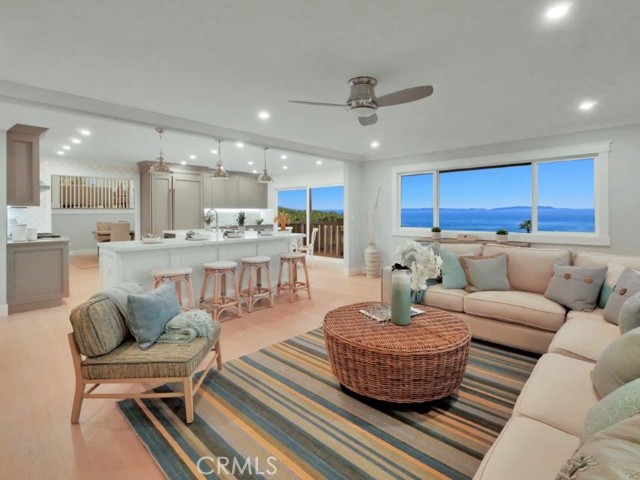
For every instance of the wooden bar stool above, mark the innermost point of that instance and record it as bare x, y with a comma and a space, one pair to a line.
220, 300
290, 261
255, 291
178, 276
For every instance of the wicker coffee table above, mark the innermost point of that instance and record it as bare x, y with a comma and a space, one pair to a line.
419, 362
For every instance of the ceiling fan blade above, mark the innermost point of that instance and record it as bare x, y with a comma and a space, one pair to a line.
302, 102
370, 120
404, 96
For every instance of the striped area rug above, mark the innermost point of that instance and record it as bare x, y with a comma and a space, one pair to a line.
279, 413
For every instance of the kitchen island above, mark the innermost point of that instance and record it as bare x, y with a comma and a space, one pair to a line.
133, 261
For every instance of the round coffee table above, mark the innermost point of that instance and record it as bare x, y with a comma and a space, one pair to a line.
420, 362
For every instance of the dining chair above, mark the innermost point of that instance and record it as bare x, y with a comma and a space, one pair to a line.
120, 232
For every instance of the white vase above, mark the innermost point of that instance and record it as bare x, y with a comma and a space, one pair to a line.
502, 238
372, 261
241, 229
436, 235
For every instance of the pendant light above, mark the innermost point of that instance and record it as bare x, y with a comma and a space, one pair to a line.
219, 172
160, 167
264, 177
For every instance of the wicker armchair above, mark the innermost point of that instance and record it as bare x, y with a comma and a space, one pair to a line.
104, 352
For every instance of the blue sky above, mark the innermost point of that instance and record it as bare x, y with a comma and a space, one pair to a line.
560, 185
323, 198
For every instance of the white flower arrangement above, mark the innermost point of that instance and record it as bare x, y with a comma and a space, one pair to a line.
424, 263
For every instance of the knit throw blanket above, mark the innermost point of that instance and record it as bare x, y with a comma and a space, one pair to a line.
188, 325
118, 295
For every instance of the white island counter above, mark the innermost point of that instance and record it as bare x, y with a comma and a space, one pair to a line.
133, 261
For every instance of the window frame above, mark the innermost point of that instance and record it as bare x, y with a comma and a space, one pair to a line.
598, 151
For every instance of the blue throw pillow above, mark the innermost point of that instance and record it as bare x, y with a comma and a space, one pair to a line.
150, 312
453, 275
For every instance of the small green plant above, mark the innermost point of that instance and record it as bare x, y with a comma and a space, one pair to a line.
526, 225
259, 221
436, 229
502, 231
241, 218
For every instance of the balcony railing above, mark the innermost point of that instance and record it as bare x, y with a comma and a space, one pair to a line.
329, 240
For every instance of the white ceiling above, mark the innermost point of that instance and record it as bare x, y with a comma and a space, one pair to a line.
500, 70
119, 143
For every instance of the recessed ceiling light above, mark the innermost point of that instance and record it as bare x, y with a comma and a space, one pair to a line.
215, 152
254, 171
264, 115
250, 162
375, 144
183, 163
239, 144
588, 105
318, 162
558, 11
85, 132
192, 157
60, 152
283, 157
284, 167
76, 140
66, 147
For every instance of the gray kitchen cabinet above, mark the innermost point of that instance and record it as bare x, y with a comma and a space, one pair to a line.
246, 187
187, 201
23, 165
161, 203
230, 192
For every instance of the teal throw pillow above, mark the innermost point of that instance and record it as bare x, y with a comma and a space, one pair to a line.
453, 275
150, 312
486, 273
629, 317
618, 365
622, 403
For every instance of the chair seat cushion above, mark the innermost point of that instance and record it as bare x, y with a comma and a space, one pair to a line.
160, 360
559, 392
584, 336
221, 265
256, 259
292, 255
445, 298
523, 308
527, 450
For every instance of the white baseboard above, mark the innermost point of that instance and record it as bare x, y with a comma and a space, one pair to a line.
351, 271
4, 310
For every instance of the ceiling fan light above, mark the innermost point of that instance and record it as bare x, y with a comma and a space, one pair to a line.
363, 111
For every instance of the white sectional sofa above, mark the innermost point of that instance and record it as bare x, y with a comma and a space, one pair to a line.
545, 427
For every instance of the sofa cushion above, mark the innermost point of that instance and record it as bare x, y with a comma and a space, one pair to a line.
486, 273
621, 404
559, 393
523, 308
529, 269
527, 450
445, 298
627, 285
160, 360
613, 454
577, 288
98, 326
619, 364
629, 317
585, 336
453, 275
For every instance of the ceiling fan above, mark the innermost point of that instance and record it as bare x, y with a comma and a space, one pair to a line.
364, 103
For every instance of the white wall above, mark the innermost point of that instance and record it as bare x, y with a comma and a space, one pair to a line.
624, 174
4, 309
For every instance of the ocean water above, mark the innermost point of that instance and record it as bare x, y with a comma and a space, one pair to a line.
489, 220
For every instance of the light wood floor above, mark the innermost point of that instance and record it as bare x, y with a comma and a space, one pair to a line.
36, 438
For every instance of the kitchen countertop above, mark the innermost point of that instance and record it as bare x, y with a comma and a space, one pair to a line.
168, 243
40, 241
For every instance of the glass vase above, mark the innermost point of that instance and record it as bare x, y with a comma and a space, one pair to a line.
401, 297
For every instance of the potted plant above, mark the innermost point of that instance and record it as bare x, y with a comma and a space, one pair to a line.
241, 219
502, 235
436, 233
209, 218
525, 225
282, 219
